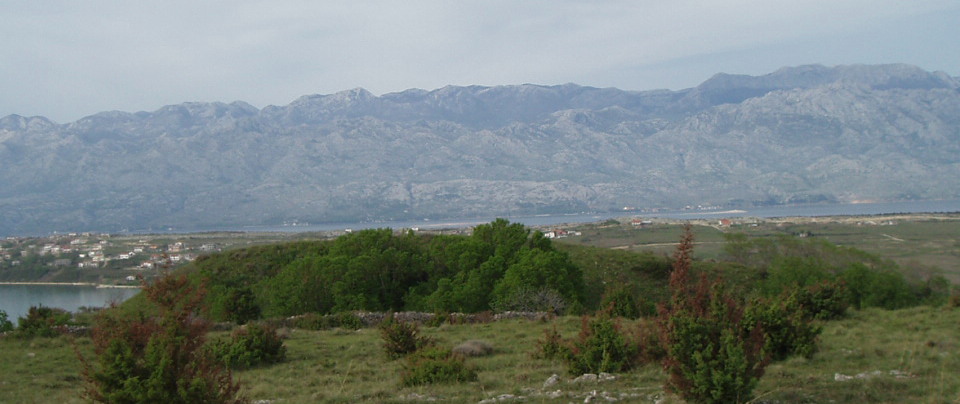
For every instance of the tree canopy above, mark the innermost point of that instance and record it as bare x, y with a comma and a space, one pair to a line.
500, 264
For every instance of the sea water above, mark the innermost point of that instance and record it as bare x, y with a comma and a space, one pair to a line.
16, 300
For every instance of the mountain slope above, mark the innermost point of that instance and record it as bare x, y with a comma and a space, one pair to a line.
800, 134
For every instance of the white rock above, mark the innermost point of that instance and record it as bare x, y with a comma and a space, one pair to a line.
552, 380
586, 378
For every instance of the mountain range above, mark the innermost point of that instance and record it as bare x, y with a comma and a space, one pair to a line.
805, 134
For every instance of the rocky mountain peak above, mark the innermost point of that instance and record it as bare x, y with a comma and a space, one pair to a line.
800, 134
16, 122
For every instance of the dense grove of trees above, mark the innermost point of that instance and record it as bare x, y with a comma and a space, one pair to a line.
501, 265
505, 266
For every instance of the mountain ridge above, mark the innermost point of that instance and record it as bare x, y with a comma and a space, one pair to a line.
799, 134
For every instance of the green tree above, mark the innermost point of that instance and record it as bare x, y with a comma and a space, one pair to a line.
889, 290
791, 272
737, 248
301, 287
538, 269
469, 291
5, 324
378, 270
237, 304
877, 288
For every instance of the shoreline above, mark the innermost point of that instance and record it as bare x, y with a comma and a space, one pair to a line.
96, 285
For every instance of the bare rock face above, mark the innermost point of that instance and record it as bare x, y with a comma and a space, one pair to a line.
800, 134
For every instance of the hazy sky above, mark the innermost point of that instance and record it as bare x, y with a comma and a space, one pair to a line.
68, 59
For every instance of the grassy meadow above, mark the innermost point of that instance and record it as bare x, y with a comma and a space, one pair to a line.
877, 356
922, 244
871, 355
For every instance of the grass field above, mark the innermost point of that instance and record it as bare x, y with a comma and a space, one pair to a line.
921, 244
660, 238
910, 355
875, 356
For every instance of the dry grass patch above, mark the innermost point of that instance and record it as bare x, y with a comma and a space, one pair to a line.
473, 348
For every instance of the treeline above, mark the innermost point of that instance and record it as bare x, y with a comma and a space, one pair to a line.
501, 266
505, 266
868, 281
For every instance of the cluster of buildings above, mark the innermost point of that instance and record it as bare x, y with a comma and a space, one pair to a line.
560, 233
89, 251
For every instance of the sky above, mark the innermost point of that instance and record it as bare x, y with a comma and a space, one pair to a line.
66, 59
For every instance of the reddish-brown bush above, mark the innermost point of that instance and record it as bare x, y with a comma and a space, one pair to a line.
157, 356
711, 357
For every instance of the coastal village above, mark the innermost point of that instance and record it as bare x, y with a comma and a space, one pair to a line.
100, 257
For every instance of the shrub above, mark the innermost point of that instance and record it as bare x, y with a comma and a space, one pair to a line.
483, 317
646, 337
346, 320
788, 272
575, 308
889, 290
710, 355
473, 348
877, 288
42, 322
824, 301
158, 356
524, 299
954, 300
601, 347
401, 338
435, 365
787, 327
310, 321
438, 319
314, 321
935, 291
621, 303
551, 346
240, 306
5, 324
253, 345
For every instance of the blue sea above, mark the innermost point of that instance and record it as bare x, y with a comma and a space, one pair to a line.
16, 300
